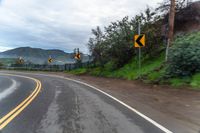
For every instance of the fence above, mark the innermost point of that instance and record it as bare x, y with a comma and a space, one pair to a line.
47, 67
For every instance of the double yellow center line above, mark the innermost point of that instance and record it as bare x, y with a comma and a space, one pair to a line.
5, 120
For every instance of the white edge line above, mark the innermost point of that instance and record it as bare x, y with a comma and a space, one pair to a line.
129, 107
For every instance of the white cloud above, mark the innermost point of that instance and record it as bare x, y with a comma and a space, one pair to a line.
63, 24
2, 49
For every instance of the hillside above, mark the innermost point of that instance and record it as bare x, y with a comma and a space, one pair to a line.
188, 18
116, 56
177, 72
40, 56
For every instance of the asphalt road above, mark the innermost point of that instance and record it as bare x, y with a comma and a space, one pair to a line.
64, 106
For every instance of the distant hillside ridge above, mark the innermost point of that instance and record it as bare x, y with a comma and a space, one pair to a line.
40, 56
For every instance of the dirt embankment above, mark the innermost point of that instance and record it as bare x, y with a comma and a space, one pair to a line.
188, 19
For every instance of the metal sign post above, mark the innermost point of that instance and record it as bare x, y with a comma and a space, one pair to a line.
139, 42
139, 53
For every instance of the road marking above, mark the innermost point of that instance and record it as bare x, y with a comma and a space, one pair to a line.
9, 90
119, 101
129, 107
4, 121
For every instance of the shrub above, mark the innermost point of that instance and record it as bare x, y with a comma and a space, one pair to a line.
184, 56
110, 66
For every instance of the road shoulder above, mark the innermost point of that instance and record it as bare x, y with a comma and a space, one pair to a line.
176, 109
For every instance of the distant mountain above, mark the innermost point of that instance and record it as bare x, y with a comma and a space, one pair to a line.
40, 56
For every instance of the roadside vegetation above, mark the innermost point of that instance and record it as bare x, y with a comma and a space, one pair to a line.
183, 67
7, 61
115, 56
177, 72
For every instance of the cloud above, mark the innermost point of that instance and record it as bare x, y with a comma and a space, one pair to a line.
63, 24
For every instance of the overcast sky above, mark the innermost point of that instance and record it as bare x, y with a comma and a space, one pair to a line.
60, 24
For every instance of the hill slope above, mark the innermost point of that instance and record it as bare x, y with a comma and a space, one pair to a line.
40, 56
154, 70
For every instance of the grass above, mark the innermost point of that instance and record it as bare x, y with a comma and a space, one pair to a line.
156, 75
195, 82
151, 72
131, 71
178, 82
79, 71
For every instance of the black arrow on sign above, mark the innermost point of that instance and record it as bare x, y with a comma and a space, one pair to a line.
50, 60
138, 40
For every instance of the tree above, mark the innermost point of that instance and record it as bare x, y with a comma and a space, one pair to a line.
118, 37
151, 27
114, 45
96, 46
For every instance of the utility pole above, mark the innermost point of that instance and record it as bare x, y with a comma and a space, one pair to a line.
171, 27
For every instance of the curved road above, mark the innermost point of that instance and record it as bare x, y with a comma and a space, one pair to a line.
36, 103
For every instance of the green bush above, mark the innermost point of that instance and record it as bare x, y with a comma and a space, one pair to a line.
184, 56
110, 66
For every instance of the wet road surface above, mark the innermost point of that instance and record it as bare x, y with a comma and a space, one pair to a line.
64, 106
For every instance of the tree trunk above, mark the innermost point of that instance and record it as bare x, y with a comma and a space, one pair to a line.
171, 26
